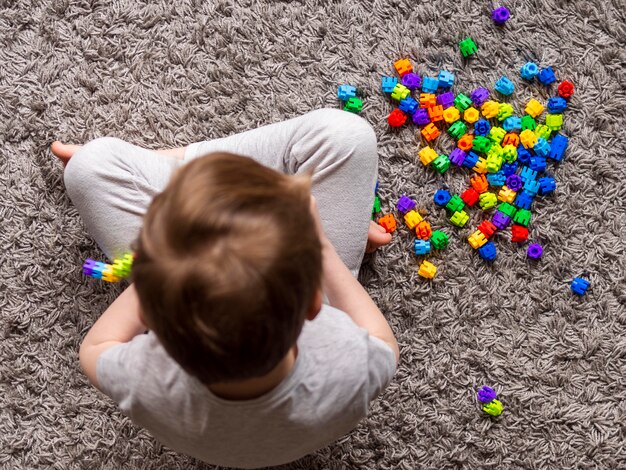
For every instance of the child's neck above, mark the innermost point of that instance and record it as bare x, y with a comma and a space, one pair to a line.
257, 386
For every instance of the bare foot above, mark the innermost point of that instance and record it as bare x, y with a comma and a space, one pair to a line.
63, 151
376, 237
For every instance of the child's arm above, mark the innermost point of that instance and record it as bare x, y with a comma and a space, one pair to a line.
119, 323
346, 293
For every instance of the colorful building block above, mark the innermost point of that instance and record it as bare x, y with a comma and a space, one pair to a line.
435, 113
400, 92
412, 81
504, 86
430, 132
488, 251
411, 219
523, 155
451, 115
353, 105
403, 66
522, 217
528, 122
462, 102
486, 394
442, 197
512, 123
534, 251
538, 163
514, 182
496, 179
558, 145
496, 134
519, 233
479, 183
487, 201
470, 196
344, 92
546, 76
500, 220
439, 240
408, 105
388, 222
565, 89
493, 408
529, 71
421, 247
504, 111
420, 117
430, 84
487, 228
457, 129
523, 200
441, 163
556, 105
427, 270
477, 239
543, 131
423, 230
459, 218
480, 143
579, 285
531, 186
388, 84
446, 79
509, 168
500, 15
465, 142
541, 148
396, 118
481, 127
427, 100
471, 160
534, 108
546, 185
455, 204
507, 209
506, 195
457, 156
554, 121
405, 204
468, 47
446, 99
471, 115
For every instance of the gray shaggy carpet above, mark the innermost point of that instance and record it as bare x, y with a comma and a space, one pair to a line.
167, 73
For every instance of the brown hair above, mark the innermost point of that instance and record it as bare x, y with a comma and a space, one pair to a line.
227, 266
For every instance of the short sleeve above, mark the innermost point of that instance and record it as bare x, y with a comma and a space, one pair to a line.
381, 364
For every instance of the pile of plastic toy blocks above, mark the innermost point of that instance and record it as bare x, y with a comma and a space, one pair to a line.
115, 272
507, 153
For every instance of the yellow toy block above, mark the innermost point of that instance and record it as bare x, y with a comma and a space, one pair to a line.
477, 239
107, 274
507, 195
496, 134
528, 139
412, 219
534, 108
427, 270
427, 155
459, 218
487, 201
480, 166
471, 115
451, 115
490, 109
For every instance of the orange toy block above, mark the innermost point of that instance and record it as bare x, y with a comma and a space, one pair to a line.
435, 113
423, 230
427, 100
388, 222
465, 142
479, 183
430, 132
403, 66
510, 139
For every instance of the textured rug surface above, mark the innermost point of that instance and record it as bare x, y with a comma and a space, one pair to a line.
167, 73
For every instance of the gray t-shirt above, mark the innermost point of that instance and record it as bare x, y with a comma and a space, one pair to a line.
339, 370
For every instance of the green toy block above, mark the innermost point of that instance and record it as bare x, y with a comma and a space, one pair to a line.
507, 209
522, 217
554, 121
493, 408
487, 201
468, 47
509, 153
455, 204
505, 111
481, 144
353, 105
441, 163
457, 130
439, 240
543, 131
528, 122
462, 102
493, 163
376, 207
459, 218
496, 134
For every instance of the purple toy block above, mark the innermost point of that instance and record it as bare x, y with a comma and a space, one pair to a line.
457, 156
479, 96
500, 15
412, 81
535, 251
500, 220
405, 204
420, 117
88, 266
514, 183
446, 99
486, 394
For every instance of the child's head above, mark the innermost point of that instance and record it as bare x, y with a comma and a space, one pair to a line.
228, 265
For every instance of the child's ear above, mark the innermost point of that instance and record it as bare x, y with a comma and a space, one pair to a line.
316, 305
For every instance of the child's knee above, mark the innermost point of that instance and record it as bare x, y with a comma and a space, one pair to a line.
88, 168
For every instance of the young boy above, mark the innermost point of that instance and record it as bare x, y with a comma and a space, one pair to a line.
244, 364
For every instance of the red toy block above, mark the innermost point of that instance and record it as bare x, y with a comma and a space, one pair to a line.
566, 89
479, 183
403, 66
430, 132
465, 142
487, 228
470, 196
396, 118
423, 230
435, 113
388, 222
510, 139
519, 233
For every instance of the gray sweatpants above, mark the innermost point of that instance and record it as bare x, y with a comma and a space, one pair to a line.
112, 182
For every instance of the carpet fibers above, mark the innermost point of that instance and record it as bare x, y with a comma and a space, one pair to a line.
167, 73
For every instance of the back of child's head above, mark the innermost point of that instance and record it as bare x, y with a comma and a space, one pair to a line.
228, 264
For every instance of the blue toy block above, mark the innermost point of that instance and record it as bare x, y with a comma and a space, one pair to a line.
531, 187
504, 86
509, 168
523, 155
446, 79
442, 197
529, 71
556, 105
546, 76
97, 269
482, 127
542, 147
421, 247
558, 147
579, 285
496, 179
546, 185
488, 251
408, 105
527, 174
388, 84
471, 159
430, 84
376, 188
538, 164
512, 123
345, 92
523, 200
